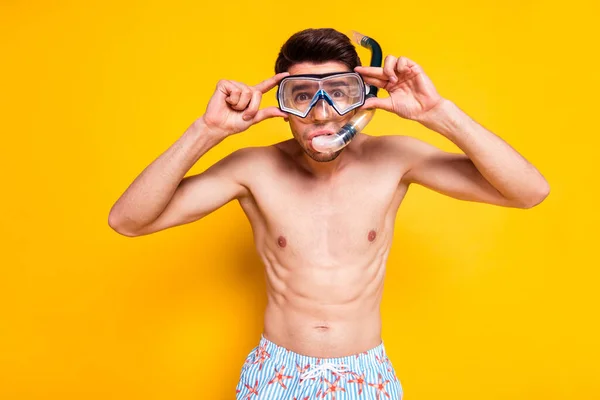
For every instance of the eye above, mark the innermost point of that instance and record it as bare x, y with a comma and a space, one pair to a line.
302, 97
339, 93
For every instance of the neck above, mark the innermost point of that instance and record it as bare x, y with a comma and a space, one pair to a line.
328, 169
323, 169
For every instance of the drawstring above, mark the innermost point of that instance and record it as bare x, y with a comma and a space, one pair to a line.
319, 370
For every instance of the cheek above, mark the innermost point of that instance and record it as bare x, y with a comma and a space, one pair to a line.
294, 126
349, 116
298, 130
299, 126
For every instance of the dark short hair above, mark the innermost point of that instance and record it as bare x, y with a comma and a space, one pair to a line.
317, 46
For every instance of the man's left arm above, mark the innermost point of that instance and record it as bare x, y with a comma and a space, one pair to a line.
489, 171
488, 161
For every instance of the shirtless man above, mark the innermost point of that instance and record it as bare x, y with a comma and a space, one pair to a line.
323, 222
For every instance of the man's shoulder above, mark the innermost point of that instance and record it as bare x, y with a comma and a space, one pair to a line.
390, 144
258, 153
260, 156
385, 140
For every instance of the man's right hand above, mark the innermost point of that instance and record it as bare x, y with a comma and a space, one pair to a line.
234, 107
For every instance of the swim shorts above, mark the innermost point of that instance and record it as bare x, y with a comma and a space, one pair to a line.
275, 373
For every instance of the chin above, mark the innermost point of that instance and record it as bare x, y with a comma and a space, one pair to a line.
322, 157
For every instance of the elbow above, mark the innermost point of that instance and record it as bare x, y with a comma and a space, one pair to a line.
537, 196
116, 225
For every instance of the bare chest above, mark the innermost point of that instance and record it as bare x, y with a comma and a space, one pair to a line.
332, 222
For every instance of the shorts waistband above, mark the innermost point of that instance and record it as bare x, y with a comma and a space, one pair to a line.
375, 355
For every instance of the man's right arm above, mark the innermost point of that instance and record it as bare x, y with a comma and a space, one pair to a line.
160, 197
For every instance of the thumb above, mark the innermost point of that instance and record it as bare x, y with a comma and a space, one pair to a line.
376, 102
269, 112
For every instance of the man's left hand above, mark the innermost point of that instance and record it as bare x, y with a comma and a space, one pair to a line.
412, 94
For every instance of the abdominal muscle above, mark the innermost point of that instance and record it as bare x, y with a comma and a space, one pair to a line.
322, 310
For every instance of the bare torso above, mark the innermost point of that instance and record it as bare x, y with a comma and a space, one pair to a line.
324, 243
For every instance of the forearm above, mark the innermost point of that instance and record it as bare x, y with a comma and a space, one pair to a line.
150, 193
501, 165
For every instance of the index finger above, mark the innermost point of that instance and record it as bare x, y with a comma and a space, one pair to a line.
270, 83
373, 72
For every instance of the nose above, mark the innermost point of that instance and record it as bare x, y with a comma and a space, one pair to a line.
322, 111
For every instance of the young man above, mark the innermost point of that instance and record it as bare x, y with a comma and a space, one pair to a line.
323, 222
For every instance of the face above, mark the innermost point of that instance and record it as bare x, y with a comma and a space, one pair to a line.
322, 119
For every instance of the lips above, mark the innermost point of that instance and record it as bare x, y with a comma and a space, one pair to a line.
318, 133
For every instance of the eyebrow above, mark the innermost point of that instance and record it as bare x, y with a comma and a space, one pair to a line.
336, 84
301, 87
328, 84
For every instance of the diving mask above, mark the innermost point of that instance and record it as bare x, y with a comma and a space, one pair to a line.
298, 94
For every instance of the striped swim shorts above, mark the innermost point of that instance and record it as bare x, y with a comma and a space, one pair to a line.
275, 373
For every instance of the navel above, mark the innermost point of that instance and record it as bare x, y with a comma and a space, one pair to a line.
322, 328
281, 242
372, 235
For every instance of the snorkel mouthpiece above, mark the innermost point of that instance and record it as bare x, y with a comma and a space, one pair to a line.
333, 143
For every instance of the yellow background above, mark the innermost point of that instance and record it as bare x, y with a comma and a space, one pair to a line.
481, 302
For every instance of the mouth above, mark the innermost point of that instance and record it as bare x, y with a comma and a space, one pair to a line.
321, 132
327, 132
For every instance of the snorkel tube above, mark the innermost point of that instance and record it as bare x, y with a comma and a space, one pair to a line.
332, 143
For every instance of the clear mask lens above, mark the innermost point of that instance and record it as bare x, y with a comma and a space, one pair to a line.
344, 92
